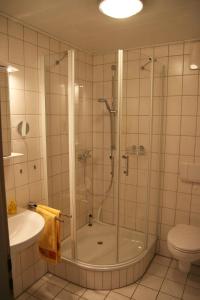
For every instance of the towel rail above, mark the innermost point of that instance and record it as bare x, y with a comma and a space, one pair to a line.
33, 205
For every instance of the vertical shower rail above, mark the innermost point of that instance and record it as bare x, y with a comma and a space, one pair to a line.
118, 145
72, 153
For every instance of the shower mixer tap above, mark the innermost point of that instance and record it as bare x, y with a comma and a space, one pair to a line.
84, 155
136, 150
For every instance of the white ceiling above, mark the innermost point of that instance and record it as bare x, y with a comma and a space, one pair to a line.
80, 22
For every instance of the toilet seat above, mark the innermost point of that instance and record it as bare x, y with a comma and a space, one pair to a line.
185, 238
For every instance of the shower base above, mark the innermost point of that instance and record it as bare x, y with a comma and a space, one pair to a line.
96, 244
96, 266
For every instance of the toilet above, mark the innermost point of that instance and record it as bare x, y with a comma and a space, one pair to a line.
184, 244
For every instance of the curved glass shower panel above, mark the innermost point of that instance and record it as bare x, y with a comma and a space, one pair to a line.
95, 154
83, 147
135, 152
158, 96
56, 84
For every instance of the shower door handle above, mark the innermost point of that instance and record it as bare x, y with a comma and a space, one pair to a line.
126, 157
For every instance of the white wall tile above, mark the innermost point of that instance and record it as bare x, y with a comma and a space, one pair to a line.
175, 85
30, 55
30, 36
15, 29
176, 49
16, 51
3, 24
4, 48
190, 85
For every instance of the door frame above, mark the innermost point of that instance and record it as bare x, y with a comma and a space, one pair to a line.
6, 282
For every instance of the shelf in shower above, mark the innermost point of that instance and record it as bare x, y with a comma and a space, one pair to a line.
13, 155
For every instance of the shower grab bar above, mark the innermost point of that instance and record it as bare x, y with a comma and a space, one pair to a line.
126, 157
33, 205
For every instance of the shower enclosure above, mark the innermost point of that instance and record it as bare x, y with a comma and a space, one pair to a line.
103, 149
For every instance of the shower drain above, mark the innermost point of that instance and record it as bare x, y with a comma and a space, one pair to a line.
100, 242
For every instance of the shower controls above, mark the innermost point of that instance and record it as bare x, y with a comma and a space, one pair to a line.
84, 155
136, 150
126, 157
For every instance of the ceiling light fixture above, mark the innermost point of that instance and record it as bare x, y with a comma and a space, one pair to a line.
120, 9
195, 56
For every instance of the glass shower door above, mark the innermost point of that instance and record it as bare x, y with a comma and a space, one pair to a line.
55, 67
135, 154
93, 158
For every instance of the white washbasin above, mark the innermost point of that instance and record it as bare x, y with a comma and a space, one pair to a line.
24, 230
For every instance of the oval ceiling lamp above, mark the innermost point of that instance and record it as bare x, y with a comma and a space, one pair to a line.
120, 9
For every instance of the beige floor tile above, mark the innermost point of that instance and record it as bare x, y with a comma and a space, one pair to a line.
162, 296
33, 289
157, 269
174, 264
65, 295
115, 296
151, 281
191, 293
194, 281
172, 288
95, 295
162, 260
127, 290
75, 289
195, 270
47, 291
144, 293
55, 280
176, 275
24, 296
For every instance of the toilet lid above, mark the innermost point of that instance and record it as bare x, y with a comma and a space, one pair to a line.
185, 238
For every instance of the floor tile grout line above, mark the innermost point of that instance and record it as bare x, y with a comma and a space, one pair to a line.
172, 262
45, 281
185, 285
164, 279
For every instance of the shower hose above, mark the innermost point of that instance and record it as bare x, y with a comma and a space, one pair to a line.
104, 195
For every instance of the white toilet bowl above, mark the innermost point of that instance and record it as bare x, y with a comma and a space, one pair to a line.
184, 244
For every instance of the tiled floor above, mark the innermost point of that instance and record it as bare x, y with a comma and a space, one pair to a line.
162, 281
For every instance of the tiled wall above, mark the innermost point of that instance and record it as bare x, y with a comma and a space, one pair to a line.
180, 201
27, 267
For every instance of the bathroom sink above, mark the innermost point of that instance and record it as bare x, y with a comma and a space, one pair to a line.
24, 230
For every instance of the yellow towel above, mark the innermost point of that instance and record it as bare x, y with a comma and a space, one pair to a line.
49, 242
